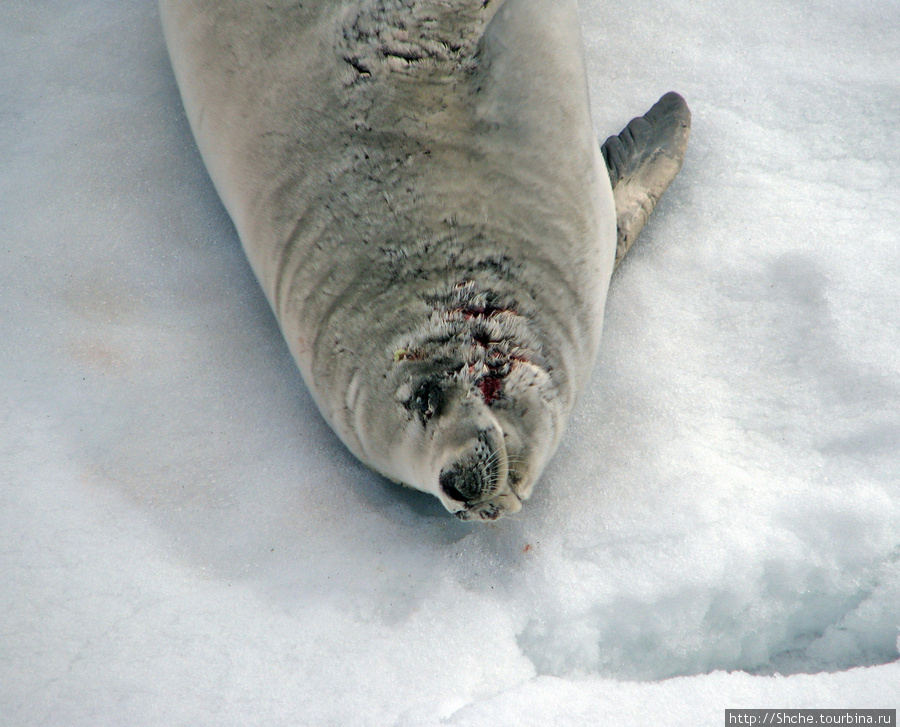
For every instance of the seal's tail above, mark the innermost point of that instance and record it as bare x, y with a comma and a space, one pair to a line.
642, 161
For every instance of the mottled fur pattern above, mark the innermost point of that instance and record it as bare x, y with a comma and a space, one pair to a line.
421, 37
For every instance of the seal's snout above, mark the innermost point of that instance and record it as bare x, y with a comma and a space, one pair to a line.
476, 479
478, 471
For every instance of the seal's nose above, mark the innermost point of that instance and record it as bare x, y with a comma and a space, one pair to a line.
464, 483
478, 472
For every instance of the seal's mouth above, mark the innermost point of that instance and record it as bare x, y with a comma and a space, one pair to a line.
504, 503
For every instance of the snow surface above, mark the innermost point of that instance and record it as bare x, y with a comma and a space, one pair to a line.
183, 540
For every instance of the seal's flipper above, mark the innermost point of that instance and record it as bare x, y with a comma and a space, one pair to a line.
642, 161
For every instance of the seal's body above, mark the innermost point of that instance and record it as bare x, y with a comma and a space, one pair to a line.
418, 189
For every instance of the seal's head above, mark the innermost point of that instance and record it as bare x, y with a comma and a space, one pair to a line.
476, 441
470, 413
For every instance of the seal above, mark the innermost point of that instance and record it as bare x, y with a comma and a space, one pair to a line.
418, 189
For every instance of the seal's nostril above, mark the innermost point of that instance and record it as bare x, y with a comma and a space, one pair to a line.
451, 480
450, 489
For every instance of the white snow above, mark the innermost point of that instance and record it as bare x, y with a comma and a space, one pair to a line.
183, 540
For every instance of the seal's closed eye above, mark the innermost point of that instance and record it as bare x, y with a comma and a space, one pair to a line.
429, 398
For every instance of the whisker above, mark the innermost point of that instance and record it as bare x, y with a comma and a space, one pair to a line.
493, 459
